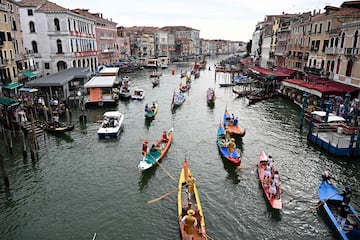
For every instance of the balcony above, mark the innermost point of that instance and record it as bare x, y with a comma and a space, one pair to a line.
312, 70
331, 50
3, 62
351, 51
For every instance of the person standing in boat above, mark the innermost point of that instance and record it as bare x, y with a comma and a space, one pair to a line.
190, 186
145, 148
164, 139
190, 223
346, 195
227, 133
343, 210
326, 176
231, 146
272, 189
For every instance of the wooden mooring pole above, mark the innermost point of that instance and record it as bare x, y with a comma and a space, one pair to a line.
23, 145
3, 172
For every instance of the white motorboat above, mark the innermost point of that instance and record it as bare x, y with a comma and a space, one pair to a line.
111, 125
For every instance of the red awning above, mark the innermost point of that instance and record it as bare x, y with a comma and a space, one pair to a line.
341, 86
267, 72
285, 70
246, 61
319, 90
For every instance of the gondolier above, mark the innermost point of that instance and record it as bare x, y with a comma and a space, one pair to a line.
190, 183
190, 223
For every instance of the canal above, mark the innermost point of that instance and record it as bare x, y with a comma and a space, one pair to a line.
82, 185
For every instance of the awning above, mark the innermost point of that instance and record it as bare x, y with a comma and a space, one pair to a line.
30, 90
8, 102
29, 74
265, 72
312, 88
13, 86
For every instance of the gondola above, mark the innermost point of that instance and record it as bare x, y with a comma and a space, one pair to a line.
199, 231
233, 157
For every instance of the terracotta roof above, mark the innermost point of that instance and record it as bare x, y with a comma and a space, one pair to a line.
43, 5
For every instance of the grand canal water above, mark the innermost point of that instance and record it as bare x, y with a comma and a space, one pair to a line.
82, 185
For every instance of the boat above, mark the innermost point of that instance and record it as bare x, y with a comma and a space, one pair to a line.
330, 201
102, 91
59, 127
259, 95
178, 99
155, 74
233, 126
150, 112
155, 82
222, 142
138, 94
111, 125
210, 96
183, 203
227, 84
124, 93
157, 152
275, 202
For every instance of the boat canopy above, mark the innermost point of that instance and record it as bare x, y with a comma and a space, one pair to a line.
113, 114
101, 81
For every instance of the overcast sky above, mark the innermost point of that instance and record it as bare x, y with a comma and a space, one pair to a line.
216, 19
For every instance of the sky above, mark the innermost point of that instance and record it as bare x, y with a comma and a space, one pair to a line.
233, 20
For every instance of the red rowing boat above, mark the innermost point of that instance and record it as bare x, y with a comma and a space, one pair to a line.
275, 202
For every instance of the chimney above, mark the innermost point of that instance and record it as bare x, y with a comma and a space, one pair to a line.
314, 12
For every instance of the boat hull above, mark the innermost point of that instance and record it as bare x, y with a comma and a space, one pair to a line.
182, 203
331, 201
154, 157
108, 130
234, 157
275, 203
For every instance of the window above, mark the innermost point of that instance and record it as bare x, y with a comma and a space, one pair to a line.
5, 18
34, 47
338, 66
356, 35
32, 26
328, 26
342, 40
349, 68
9, 38
320, 27
57, 24
59, 46
47, 65
30, 12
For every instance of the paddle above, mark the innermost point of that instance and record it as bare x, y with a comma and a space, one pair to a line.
94, 236
162, 196
322, 202
240, 168
173, 178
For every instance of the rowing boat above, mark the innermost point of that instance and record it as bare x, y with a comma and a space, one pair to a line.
275, 202
233, 157
157, 152
199, 231
233, 126
331, 200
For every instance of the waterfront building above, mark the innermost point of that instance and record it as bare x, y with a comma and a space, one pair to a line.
12, 54
161, 44
106, 37
123, 42
57, 38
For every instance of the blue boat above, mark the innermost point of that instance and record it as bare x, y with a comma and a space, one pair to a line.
233, 157
331, 199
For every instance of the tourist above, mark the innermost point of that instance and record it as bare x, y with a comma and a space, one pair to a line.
326, 176
272, 190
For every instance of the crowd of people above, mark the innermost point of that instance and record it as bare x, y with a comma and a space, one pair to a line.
272, 179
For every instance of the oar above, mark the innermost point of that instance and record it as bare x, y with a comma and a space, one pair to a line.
162, 196
162, 168
94, 236
240, 168
322, 202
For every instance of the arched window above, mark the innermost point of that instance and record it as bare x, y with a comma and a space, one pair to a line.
57, 24
59, 46
74, 63
338, 66
332, 66
349, 68
314, 63
79, 63
34, 47
356, 35
336, 42
332, 42
322, 64
342, 40
32, 26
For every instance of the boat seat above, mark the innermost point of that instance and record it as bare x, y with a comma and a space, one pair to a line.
184, 199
